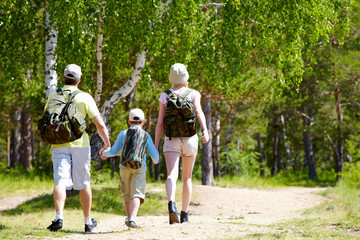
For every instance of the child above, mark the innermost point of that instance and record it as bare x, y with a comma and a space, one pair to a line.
133, 141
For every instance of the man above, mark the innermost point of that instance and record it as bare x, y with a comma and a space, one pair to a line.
71, 161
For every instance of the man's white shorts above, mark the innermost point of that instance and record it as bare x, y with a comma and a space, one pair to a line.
71, 167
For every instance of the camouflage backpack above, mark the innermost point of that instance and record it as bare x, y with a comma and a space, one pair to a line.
62, 121
134, 147
179, 120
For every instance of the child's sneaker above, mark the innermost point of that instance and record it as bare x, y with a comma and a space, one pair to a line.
131, 224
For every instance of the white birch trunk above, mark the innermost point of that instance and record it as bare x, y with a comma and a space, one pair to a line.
99, 72
96, 142
50, 46
115, 97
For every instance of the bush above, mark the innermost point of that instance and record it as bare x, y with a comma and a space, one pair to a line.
238, 163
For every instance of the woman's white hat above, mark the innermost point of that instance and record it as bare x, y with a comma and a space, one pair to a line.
178, 74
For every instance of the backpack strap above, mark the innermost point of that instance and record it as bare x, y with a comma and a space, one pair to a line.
187, 91
59, 91
184, 94
72, 96
169, 93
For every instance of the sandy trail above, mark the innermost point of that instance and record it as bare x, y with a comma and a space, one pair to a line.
216, 213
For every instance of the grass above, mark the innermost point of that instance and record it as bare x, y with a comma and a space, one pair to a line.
282, 179
22, 185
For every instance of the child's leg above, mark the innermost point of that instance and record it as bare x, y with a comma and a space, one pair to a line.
187, 169
132, 208
127, 208
172, 167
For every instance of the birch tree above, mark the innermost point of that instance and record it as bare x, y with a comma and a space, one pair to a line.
50, 56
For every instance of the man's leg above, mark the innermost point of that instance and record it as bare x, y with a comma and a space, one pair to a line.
59, 194
85, 200
62, 178
59, 197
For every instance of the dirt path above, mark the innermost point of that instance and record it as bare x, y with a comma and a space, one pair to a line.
13, 202
216, 213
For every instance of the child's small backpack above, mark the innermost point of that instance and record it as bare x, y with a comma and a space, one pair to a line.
62, 121
134, 147
179, 120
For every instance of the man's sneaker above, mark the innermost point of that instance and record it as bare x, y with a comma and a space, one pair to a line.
131, 224
90, 227
55, 225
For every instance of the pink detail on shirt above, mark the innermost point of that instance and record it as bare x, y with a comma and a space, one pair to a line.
192, 95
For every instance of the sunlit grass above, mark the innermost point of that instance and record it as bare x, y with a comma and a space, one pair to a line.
24, 186
282, 179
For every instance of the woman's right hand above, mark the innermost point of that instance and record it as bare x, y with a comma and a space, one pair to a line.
205, 138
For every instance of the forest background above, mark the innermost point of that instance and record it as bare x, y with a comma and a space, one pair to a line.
278, 79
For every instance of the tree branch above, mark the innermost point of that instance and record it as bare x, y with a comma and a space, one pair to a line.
225, 120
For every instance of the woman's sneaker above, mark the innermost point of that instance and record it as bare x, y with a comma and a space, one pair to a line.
90, 227
55, 225
184, 217
173, 214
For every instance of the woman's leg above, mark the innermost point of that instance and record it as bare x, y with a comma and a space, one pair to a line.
172, 167
187, 169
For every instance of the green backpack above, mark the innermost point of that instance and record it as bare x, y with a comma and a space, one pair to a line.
134, 147
179, 120
62, 121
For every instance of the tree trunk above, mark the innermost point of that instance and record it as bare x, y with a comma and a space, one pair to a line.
261, 157
217, 149
206, 161
280, 162
26, 138
340, 146
309, 154
15, 139
289, 160
9, 144
130, 98
275, 163
274, 169
96, 141
99, 60
50, 46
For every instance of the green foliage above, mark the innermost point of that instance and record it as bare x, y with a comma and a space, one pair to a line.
351, 175
240, 163
27, 182
245, 53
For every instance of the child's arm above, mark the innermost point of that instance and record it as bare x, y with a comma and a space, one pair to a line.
117, 146
154, 154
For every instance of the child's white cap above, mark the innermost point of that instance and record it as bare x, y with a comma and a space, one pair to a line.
136, 115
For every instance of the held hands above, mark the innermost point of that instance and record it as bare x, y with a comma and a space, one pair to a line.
102, 152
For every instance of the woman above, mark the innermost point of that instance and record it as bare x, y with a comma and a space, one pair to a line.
176, 147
